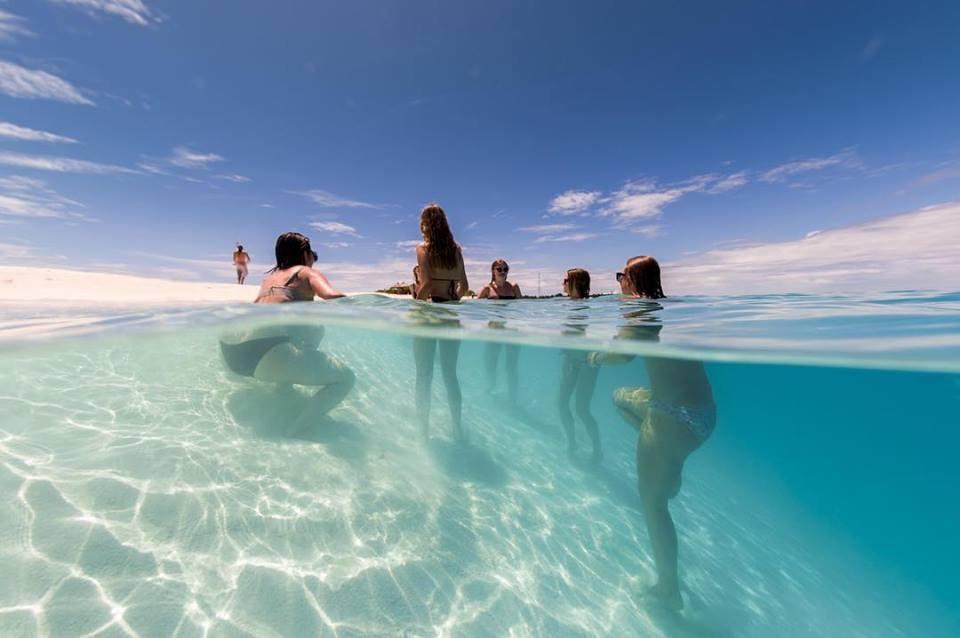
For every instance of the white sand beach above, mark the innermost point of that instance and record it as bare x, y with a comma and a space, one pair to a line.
82, 288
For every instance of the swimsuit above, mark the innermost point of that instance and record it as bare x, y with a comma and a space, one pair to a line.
242, 358
700, 421
285, 291
452, 289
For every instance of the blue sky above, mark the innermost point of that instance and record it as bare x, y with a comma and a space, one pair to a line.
149, 136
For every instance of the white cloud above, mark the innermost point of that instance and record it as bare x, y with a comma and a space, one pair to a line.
20, 82
915, 250
326, 199
133, 11
728, 183
572, 202
409, 243
642, 200
650, 230
547, 229
336, 244
237, 179
570, 237
59, 164
16, 254
186, 158
27, 197
846, 159
12, 131
334, 228
12, 27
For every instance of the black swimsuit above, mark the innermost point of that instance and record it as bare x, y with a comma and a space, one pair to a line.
242, 358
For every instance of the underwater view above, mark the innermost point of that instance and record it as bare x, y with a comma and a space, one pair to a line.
147, 489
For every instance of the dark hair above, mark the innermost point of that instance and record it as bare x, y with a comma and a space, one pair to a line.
578, 279
498, 262
644, 274
291, 250
240, 247
442, 250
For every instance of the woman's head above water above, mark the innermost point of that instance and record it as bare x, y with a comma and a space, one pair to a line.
441, 248
293, 249
577, 283
641, 278
499, 271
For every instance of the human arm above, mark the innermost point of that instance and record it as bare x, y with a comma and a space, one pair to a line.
321, 286
462, 286
425, 283
598, 359
484, 292
516, 291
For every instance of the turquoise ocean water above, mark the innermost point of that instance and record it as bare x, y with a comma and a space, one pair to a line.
146, 491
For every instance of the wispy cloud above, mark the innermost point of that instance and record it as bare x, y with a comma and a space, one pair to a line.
12, 131
729, 183
16, 253
60, 164
187, 158
336, 244
643, 199
133, 11
334, 228
866, 257
12, 27
27, 197
573, 201
326, 199
409, 243
948, 171
563, 238
845, 159
871, 49
20, 82
237, 179
546, 229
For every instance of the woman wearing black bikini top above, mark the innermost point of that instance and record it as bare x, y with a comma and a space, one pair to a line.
499, 287
442, 277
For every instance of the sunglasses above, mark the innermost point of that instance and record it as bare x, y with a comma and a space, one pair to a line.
619, 276
502, 269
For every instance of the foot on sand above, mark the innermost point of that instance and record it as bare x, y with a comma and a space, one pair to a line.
664, 597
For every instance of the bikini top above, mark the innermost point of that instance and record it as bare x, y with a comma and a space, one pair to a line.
286, 290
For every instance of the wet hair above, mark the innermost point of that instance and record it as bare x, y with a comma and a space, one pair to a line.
291, 250
578, 279
240, 247
498, 262
442, 250
644, 275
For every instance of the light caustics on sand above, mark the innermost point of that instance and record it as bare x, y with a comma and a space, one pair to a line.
145, 492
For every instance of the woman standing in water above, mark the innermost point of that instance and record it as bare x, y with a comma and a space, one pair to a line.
442, 277
674, 417
287, 354
577, 379
500, 288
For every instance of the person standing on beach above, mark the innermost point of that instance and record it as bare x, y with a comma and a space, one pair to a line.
240, 260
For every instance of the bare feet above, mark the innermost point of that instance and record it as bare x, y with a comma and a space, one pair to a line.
663, 596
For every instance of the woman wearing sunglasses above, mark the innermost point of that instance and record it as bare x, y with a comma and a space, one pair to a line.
577, 379
287, 354
673, 417
500, 288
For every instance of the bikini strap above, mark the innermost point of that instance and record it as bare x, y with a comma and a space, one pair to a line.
293, 277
